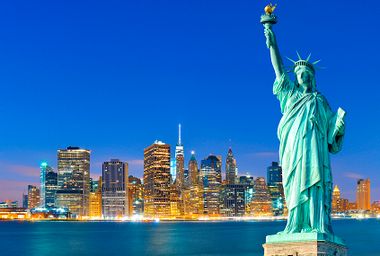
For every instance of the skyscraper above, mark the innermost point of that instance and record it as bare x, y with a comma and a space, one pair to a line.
210, 179
33, 197
115, 189
231, 169
233, 200
51, 186
74, 180
136, 191
157, 180
43, 167
179, 160
193, 170
261, 204
25, 200
335, 199
95, 200
275, 187
192, 194
363, 195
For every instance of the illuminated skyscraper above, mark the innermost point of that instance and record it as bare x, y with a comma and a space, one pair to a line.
47, 190
33, 197
335, 199
25, 201
193, 170
231, 169
192, 194
276, 190
115, 189
43, 170
136, 191
95, 200
74, 180
179, 160
363, 195
261, 204
51, 187
233, 200
157, 180
210, 179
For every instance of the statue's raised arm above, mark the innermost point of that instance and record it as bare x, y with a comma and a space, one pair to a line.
268, 19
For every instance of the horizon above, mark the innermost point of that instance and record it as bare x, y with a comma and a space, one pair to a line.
115, 77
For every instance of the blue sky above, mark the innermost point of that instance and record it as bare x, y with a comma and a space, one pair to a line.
113, 76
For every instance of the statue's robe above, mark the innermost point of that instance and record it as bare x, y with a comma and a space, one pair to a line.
307, 133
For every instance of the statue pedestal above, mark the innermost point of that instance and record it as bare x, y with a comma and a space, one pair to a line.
304, 244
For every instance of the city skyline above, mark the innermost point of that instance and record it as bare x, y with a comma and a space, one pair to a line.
204, 62
223, 169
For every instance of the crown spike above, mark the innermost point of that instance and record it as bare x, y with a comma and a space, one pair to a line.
308, 57
299, 56
315, 62
294, 62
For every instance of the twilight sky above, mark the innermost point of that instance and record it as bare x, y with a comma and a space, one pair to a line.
113, 76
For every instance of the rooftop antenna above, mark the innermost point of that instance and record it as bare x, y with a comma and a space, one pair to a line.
179, 134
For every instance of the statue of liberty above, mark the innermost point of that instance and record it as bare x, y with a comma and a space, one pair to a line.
308, 131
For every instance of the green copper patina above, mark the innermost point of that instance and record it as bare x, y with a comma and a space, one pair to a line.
308, 132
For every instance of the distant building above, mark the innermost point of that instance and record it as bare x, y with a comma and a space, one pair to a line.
193, 193
136, 191
95, 200
157, 180
51, 186
33, 197
74, 180
342, 205
375, 207
363, 195
210, 179
233, 200
94, 185
275, 187
335, 199
180, 162
261, 204
246, 180
231, 168
25, 201
8, 204
115, 189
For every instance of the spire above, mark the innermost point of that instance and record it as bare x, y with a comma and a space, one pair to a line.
230, 152
179, 135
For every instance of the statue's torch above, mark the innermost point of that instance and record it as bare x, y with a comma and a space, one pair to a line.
268, 19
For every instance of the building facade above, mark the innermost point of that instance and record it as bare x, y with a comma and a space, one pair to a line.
275, 187
51, 186
363, 195
136, 191
231, 168
261, 204
74, 180
115, 200
33, 197
95, 200
233, 200
157, 180
210, 180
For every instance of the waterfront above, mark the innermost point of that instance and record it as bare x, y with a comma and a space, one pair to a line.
165, 238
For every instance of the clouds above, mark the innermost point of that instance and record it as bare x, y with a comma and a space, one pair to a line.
353, 175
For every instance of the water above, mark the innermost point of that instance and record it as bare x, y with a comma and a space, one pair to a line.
170, 238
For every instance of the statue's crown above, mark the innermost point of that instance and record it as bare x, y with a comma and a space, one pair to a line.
304, 62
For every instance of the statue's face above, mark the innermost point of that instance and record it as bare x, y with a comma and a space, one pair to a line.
304, 77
